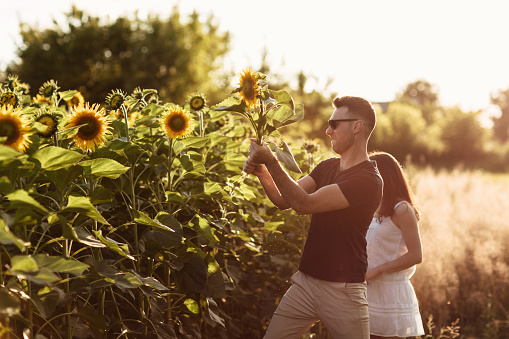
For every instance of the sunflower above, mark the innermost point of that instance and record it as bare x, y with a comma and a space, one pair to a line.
197, 101
49, 88
91, 135
9, 98
40, 99
12, 82
76, 100
176, 122
249, 87
50, 120
115, 99
14, 126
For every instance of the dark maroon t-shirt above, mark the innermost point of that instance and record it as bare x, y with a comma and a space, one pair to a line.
335, 248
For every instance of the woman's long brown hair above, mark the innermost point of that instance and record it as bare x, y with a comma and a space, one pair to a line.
396, 187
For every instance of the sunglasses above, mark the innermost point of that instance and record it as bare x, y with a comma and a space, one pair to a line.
333, 123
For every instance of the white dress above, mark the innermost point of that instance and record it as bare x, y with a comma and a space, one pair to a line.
393, 306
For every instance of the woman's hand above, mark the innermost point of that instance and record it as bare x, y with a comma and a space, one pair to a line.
373, 273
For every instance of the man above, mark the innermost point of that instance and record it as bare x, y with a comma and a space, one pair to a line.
342, 195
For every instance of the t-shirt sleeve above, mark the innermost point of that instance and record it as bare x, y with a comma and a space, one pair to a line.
360, 188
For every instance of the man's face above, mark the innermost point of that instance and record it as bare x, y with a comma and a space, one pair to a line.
342, 137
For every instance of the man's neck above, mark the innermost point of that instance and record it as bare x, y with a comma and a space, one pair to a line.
353, 157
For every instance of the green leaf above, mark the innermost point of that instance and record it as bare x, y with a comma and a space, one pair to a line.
101, 195
194, 142
26, 268
67, 95
210, 188
60, 264
86, 238
9, 238
64, 176
53, 158
10, 305
285, 155
21, 199
202, 227
215, 282
24, 263
103, 167
8, 153
231, 104
192, 306
95, 320
142, 218
192, 277
175, 198
83, 206
117, 247
153, 109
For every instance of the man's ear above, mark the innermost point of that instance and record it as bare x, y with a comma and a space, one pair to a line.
357, 126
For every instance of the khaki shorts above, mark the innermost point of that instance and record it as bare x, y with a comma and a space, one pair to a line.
342, 308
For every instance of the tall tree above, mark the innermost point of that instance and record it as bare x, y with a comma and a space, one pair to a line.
424, 96
501, 124
95, 57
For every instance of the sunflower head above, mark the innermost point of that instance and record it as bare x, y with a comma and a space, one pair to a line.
137, 94
12, 82
49, 88
249, 88
15, 128
10, 98
176, 122
76, 100
23, 88
95, 125
197, 101
115, 99
50, 120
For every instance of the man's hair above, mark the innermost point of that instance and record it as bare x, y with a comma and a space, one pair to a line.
359, 108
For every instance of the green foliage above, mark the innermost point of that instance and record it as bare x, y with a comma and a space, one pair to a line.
93, 56
145, 235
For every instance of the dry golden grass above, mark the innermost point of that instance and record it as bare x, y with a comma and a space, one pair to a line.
465, 236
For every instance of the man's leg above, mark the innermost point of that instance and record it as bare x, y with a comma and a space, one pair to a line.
344, 310
296, 311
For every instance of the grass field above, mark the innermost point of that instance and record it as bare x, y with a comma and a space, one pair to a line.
465, 235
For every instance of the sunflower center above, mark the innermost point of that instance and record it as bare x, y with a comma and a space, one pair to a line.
177, 123
248, 90
48, 91
116, 101
197, 103
90, 130
10, 130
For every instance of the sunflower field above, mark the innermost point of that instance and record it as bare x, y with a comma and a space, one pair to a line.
132, 217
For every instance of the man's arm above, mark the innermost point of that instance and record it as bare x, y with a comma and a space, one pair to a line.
328, 198
270, 188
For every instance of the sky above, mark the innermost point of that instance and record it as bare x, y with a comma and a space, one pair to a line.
369, 48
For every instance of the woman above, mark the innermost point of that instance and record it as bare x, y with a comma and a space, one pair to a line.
394, 248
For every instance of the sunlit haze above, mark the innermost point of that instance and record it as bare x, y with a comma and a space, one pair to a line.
368, 48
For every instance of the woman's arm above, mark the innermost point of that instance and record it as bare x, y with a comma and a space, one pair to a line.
404, 217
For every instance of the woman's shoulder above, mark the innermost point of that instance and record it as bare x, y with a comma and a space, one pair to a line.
403, 210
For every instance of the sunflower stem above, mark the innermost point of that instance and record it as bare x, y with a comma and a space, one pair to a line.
124, 113
170, 177
200, 114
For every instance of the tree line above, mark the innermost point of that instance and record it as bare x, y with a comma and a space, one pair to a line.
174, 55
